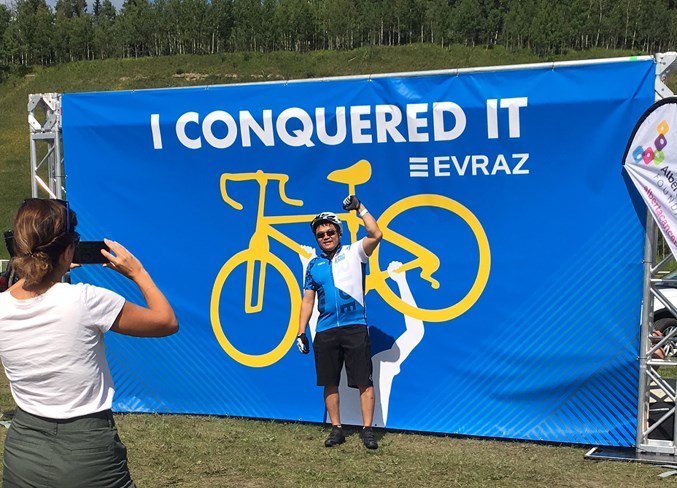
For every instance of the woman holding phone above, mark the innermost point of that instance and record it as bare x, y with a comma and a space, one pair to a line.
51, 345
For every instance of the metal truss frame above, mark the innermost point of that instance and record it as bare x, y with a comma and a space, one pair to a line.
656, 426
44, 121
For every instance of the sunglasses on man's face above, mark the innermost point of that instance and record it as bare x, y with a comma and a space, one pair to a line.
329, 233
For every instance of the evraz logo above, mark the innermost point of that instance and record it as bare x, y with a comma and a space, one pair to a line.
653, 154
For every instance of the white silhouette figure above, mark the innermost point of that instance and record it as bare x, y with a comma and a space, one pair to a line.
386, 364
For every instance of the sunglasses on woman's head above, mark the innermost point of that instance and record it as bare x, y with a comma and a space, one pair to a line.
69, 229
321, 234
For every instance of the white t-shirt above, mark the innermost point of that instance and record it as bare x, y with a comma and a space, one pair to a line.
53, 351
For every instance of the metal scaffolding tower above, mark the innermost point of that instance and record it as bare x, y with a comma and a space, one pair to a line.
656, 397
44, 121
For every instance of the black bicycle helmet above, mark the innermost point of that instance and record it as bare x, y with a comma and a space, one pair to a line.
326, 218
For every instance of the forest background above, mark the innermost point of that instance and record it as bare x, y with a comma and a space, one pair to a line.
34, 33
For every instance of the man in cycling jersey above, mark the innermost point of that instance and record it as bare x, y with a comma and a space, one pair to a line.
337, 277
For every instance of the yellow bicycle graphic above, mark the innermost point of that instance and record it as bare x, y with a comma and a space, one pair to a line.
259, 256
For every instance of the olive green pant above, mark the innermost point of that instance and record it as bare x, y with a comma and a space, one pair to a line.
83, 452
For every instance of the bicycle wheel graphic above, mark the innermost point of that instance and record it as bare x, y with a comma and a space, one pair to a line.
443, 313
274, 355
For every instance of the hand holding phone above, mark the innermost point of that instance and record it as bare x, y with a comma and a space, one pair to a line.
125, 263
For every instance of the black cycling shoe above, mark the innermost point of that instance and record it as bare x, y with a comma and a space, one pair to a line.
369, 438
335, 438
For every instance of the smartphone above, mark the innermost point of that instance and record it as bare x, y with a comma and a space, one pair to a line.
89, 252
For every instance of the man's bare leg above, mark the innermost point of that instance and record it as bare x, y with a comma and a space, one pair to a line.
331, 401
367, 406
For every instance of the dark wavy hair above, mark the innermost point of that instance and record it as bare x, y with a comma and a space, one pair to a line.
43, 229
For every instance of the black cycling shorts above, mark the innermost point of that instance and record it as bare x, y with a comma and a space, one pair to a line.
347, 345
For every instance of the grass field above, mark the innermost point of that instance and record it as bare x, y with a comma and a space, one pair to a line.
205, 452
186, 451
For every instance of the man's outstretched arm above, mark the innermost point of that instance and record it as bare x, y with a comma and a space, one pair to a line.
374, 234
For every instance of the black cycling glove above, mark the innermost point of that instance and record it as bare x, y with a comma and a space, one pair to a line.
302, 343
351, 202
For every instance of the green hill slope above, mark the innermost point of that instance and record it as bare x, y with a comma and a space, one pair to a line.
176, 71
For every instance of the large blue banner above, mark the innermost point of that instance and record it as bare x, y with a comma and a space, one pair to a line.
503, 301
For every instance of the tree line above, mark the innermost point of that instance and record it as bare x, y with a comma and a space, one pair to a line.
32, 32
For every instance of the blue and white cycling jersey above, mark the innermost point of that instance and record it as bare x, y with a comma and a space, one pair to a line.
339, 284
